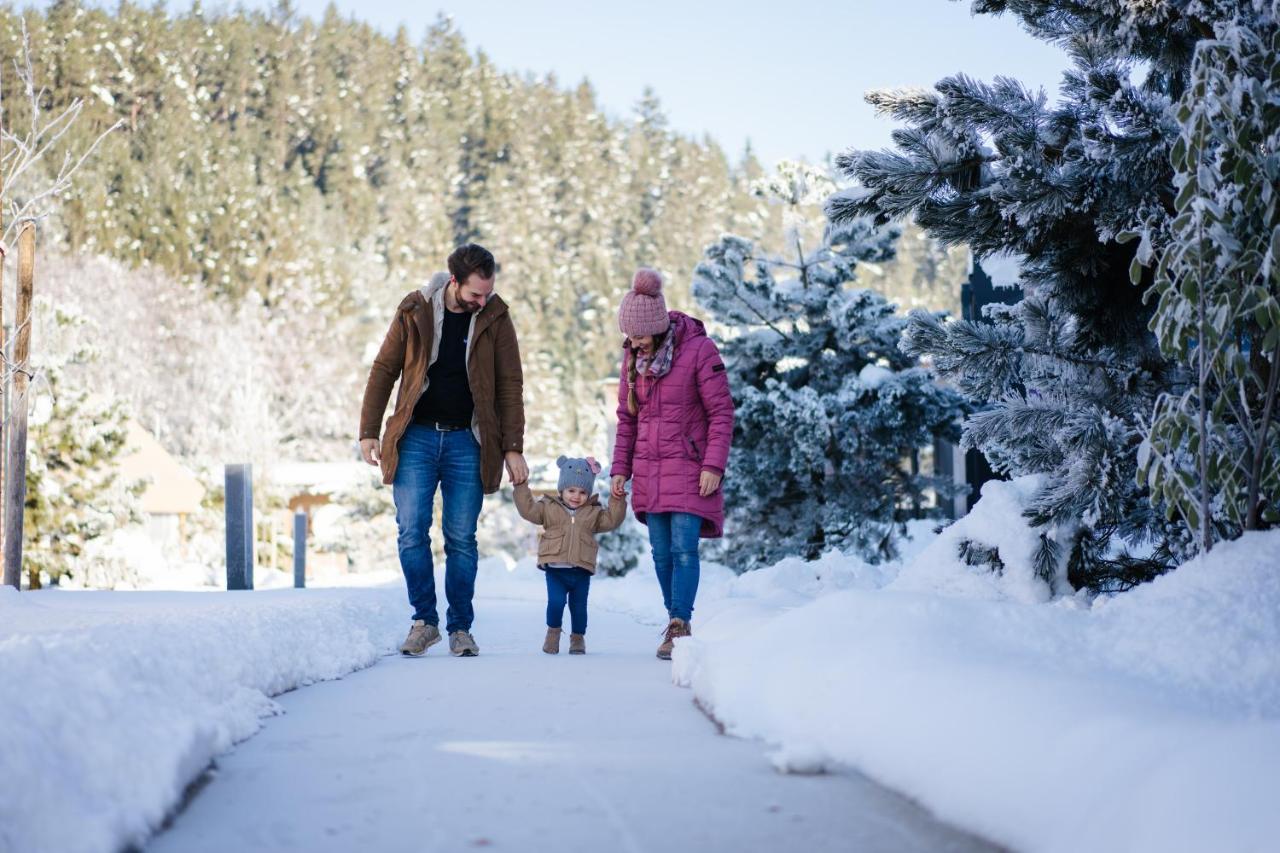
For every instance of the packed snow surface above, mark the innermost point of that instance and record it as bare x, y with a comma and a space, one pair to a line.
116, 701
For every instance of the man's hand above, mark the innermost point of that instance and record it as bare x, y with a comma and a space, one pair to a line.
619, 488
708, 483
517, 469
370, 450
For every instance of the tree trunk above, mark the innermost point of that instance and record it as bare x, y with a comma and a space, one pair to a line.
15, 487
5, 380
1202, 405
1253, 518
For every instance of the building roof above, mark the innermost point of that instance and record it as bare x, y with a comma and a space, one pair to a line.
171, 489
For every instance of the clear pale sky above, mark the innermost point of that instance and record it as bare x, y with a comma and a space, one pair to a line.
789, 76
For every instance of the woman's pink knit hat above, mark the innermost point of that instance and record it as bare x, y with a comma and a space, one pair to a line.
643, 310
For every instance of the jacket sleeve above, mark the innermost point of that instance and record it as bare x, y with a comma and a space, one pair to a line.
508, 379
612, 518
624, 444
717, 401
386, 369
529, 509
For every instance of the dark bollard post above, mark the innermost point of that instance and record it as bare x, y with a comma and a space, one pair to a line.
239, 495
299, 550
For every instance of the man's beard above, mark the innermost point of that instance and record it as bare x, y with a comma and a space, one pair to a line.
469, 307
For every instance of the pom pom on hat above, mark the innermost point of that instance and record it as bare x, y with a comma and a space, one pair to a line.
647, 281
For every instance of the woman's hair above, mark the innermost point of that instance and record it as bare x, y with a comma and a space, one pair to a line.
633, 405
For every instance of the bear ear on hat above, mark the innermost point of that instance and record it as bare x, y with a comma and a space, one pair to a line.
560, 462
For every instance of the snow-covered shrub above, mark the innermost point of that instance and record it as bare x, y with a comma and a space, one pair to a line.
1210, 451
75, 494
829, 410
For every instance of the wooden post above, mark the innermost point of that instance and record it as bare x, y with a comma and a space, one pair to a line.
15, 487
8, 374
240, 534
299, 550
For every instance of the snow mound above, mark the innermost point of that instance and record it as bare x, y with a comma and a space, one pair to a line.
1155, 713
995, 521
114, 702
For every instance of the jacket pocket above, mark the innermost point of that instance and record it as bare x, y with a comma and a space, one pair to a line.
588, 548
550, 545
691, 450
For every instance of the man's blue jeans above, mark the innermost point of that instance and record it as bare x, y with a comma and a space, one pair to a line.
673, 537
451, 460
573, 584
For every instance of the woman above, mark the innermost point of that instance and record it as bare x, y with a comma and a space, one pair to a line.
675, 425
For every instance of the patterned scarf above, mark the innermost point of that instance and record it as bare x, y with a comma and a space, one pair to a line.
658, 364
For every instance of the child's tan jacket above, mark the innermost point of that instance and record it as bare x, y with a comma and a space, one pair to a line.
568, 537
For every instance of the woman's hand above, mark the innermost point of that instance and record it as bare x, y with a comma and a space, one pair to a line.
370, 451
619, 486
708, 483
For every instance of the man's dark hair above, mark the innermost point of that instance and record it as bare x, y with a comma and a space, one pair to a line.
468, 259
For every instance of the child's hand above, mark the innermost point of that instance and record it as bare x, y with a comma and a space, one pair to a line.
619, 489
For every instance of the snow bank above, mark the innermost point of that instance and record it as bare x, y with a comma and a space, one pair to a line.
1147, 721
112, 702
995, 521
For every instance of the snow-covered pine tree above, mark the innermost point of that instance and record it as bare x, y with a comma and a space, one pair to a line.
1211, 453
1072, 373
75, 494
830, 412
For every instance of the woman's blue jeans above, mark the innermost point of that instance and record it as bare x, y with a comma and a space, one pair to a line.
673, 536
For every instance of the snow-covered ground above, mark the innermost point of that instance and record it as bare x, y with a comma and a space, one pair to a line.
116, 701
113, 701
517, 750
1144, 721
1148, 721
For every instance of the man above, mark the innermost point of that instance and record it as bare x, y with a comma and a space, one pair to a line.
458, 418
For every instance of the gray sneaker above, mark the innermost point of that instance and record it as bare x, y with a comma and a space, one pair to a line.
421, 637
463, 645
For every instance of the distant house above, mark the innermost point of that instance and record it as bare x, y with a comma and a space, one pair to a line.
313, 484
172, 492
308, 487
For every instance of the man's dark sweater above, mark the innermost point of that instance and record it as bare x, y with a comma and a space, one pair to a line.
447, 399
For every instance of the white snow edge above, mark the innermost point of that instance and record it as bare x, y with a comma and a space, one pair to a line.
1149, 721
112, 703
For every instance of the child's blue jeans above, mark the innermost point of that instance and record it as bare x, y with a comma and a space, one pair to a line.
572, 584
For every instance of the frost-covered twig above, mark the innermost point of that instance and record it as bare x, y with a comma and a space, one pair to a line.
28, 150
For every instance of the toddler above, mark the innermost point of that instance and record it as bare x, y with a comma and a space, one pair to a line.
567, 546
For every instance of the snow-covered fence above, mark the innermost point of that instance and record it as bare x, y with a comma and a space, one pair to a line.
239, 506
993, 281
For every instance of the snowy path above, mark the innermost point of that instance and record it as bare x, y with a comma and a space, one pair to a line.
521, 751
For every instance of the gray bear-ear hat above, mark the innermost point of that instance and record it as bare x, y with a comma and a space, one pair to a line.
580, 472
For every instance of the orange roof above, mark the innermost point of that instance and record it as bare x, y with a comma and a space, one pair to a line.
171, 489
